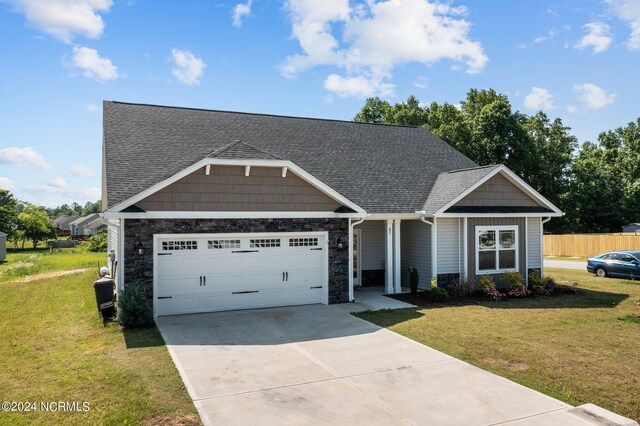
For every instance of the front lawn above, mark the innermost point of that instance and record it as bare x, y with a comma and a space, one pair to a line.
54, 348
574, 348
28, 262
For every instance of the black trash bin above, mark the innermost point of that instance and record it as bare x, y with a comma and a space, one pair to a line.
104, 288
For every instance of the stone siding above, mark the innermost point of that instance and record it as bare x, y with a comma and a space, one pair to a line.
140, 267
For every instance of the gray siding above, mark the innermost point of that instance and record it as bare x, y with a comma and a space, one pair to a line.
415, 251
228, 189
372, 244
471, 248
498, 191
450, 249
534, 249
3, 247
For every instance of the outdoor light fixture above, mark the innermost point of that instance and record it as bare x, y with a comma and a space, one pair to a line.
340, 244
139, 249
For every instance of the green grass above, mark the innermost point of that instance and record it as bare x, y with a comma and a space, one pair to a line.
55, 348
21, 263
574, 348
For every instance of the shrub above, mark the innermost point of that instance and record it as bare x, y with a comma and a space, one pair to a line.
486, 282
134, 311
414, 279
98, 242
512, 280
492, 293
460, 288
438, 294
539, 290
520, 291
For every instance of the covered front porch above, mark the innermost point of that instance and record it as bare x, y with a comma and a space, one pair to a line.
383, 250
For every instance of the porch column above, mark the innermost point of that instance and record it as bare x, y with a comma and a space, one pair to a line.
389, 256
396, 257
350, 261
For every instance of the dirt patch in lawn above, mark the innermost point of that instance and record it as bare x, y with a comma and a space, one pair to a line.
184, 420
46, 275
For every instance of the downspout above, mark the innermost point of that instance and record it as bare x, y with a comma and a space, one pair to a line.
433, 249
542, 222
351, 225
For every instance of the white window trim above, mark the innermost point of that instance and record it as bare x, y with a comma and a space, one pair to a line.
496, 228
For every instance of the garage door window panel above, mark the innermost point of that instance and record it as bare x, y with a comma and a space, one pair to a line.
264, 243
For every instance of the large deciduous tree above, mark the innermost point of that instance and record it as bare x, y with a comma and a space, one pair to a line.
8, 213
35, 224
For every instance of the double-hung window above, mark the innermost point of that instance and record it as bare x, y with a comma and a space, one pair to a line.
496, 249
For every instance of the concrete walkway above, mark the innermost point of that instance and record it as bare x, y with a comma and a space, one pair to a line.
319, 364
565, 264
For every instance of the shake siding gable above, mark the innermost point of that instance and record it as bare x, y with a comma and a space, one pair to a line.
498, 191
227, 188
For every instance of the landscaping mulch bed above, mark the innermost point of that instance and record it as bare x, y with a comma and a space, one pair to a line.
421, 298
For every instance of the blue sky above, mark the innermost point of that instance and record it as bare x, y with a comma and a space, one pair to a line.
577, 60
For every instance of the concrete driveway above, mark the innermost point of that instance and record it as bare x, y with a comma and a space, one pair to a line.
319, 364
565, 264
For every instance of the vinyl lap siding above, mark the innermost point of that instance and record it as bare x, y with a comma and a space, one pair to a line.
372, 244
113, 228
534, 244
450, 240
415, 251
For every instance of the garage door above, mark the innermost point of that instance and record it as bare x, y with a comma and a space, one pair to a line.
217, 272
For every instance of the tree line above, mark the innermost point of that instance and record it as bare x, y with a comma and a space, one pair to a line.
23, 222
596, 184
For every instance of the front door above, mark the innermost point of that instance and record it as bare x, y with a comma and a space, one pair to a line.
357, 269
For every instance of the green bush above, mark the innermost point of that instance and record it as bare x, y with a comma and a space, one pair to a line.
486, 282
511, 280
414, 279
98, 242
134, 310
438, 294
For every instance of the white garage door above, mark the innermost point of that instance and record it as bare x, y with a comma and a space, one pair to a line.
218, 272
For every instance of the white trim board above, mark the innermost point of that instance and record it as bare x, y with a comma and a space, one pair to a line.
514, 179
229, 215
307, 177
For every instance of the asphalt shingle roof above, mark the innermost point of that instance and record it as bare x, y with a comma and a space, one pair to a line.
383, 169
452, 183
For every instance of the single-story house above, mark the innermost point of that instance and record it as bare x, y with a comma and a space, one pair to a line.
3, 246
632, 227
77, 227
94, 226
63, 223
215, 210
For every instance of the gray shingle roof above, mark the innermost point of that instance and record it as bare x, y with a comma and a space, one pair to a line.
242, 150
452, 183
383, 169
85, 219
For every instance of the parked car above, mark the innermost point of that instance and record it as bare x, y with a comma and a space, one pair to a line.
623, 264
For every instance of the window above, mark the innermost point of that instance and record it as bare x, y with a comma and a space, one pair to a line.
179, 245
264, 242
303, 242
223, 244
496, 249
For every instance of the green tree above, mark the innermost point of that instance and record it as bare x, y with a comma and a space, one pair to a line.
374, 111
8, 212
90, 207
35, 224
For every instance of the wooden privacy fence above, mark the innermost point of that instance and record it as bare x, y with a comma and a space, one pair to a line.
585, 245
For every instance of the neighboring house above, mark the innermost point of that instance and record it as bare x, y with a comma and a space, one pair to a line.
213, 210
3, 246
77, 226
94, 226
632, 227
63, 223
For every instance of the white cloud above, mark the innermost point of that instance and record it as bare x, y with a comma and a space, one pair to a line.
572, 109
241, 10
598, 37
57, 182
81, 171
360, 87
65, 18
377, 36
92, 108
188, 67
6, 183
629, 11
541, 38
23, 157
594, 96
539, 99
70, 193
93, 66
